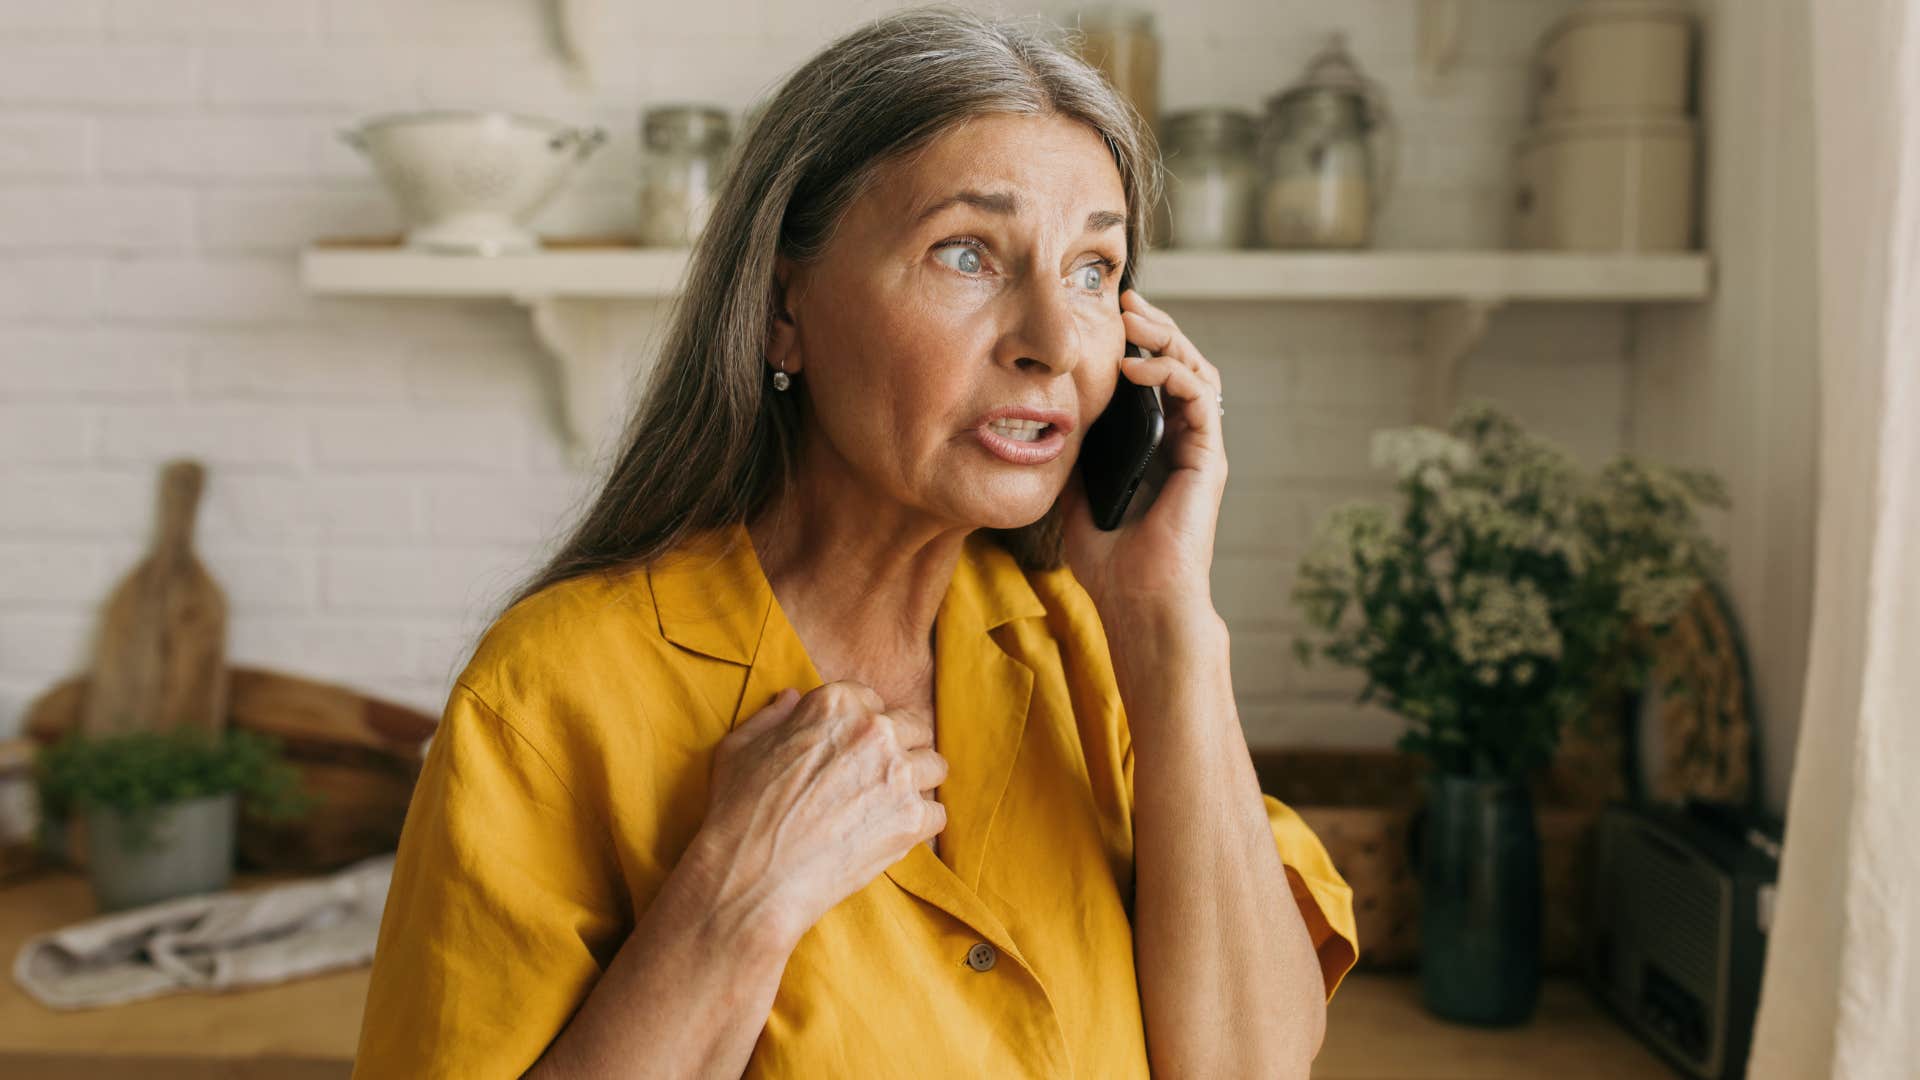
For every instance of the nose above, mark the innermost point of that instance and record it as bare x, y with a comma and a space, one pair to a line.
1047, 336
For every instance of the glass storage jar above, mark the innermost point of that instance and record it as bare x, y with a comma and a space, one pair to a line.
683, 152
1212, 180
1326, 156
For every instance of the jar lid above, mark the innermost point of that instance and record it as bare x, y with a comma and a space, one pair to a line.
1332, 68
1114, 17
1644, 123
1213, 124
1332, 73
694, 122
1623, 10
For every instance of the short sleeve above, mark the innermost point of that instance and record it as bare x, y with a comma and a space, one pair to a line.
504, 910
1325, 898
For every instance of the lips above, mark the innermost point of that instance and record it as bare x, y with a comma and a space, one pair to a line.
1031, 452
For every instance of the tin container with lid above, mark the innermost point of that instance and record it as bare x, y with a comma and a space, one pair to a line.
1611, 183
1616, 55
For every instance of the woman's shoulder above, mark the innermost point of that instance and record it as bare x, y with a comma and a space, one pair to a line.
579, 656
556, 629
582, 675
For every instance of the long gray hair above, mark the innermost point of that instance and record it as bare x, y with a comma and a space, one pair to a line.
709, 441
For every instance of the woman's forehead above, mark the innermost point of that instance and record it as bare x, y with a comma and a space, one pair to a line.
1015, 167
1010, 203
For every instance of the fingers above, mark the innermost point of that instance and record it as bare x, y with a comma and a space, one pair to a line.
929, 768
772, 713
933, 817
1175, 366
1155, 330
912, 725
1179, 381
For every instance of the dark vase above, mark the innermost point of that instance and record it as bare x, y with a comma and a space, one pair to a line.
1478, 856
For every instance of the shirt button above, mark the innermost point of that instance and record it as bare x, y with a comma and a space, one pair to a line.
981, 957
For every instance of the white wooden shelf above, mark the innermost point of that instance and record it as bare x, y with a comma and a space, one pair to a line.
655, 273
583, 294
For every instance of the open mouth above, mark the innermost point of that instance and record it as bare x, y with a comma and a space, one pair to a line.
1020, 430
1022, 442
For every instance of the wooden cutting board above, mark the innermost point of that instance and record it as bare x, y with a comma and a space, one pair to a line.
159, 661
293, 709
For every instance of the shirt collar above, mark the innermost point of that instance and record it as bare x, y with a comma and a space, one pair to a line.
712, 595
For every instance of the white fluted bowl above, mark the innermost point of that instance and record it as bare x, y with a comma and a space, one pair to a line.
469, 181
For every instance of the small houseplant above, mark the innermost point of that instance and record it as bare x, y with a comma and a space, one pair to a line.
1507, 592
160, 806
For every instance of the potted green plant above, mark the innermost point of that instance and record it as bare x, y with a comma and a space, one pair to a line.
1505, 594
160, 807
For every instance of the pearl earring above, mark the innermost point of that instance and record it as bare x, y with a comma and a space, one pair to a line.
781, 380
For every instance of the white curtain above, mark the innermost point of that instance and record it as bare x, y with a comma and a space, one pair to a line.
1841, 996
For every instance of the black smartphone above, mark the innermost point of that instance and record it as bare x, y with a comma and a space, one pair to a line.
1115, 453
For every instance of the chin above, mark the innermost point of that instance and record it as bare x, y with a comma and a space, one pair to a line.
1014, 511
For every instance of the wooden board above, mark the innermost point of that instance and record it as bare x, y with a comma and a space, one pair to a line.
288, 707
159, 661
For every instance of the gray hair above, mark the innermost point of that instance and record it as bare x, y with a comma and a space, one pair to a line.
709, 443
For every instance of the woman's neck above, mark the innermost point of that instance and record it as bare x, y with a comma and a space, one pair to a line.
861, 583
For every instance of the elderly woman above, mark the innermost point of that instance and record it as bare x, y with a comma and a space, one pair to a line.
837, 741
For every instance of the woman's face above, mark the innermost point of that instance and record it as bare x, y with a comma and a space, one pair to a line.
980, 275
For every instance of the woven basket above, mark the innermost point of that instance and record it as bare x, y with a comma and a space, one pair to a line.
1360, 803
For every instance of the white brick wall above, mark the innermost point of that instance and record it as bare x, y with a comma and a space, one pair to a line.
381, 470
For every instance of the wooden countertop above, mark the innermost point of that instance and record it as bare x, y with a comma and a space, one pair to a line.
303, 1029
308, 1029
1377, 1029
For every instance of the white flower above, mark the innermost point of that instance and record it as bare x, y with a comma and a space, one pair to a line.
1427, 454
1496, 619
1652, 592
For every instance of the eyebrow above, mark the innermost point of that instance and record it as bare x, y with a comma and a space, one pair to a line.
1007, 203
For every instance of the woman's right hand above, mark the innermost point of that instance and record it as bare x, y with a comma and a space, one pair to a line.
814, 796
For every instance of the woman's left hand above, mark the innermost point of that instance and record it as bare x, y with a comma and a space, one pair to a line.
1163, 558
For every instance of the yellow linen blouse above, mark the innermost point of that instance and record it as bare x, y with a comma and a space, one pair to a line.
570, 771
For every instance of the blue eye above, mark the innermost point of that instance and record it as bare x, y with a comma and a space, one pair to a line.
1099, 280
971, 259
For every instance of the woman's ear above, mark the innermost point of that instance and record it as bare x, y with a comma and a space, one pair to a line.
783, 339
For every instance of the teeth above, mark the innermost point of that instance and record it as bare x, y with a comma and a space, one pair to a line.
1017, 430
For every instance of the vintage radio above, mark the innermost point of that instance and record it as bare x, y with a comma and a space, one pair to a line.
1683, 900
